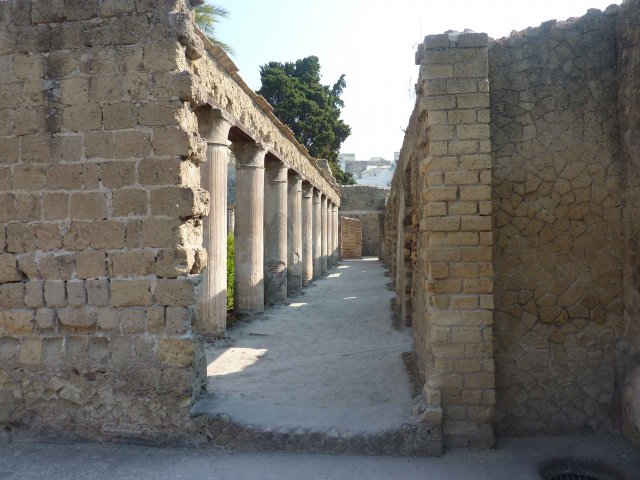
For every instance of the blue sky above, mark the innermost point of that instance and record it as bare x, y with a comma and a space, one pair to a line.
373, 43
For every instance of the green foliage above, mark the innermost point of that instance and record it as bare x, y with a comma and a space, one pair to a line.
230, 272
207, 16
310, 109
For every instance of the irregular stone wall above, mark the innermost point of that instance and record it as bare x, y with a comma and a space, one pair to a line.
100, 204
557, 217
628, 30
357, 200
350, 238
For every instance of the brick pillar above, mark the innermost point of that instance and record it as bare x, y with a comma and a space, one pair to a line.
214, 127
249, 234
456, 236
323, 234
317, 234
307, 233
294, 234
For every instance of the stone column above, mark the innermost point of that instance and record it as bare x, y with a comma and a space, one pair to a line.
294, 234
317, 234
275, 231
307, 233
329, 235
334, 220
214, 127
249, 234
323, 220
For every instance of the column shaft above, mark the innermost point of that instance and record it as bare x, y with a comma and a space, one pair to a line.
249, 233
317, 234
307, 233
294, 235
213, 177
334, 241
329, 235
275, 230
323, 220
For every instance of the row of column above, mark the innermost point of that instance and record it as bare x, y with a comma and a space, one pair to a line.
286, 230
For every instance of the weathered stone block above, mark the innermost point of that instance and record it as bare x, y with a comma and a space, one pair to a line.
78, 236
12, 295
106, 88
178, 320
97, 292
76, 293
130, 201
64, 177
56, 206
108, 319
34, 294
28, 66
57, 266
17, 322
30, 351
133, 263
77, 318
132, 144
29, 177
111, 8
129, 293
133, 320
99, 145
177, 293
46, 319
177, 352
91, 264
88, 206
153, 171
78, 118
107, 234
179, 202
120, 115
9, 271
55, 294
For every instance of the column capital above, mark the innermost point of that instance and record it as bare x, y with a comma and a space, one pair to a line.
214, 125
249, 154
307, 189
316, 195
277, 172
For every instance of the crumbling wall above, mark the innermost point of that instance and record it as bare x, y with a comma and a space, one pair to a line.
628, 343
101, 206
557, 219
357, 202
350, 238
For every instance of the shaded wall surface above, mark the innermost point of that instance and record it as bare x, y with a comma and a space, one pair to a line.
366, 203
100, 204
561, 147
557, 224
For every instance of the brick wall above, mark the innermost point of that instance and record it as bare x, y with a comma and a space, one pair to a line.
350, 238
100, 211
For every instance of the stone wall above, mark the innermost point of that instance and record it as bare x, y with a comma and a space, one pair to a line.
557, 217
100, 204
357, 202
350, 238
562, 239
628, 33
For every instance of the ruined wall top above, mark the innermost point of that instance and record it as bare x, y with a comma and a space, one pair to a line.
363, 197
221, 86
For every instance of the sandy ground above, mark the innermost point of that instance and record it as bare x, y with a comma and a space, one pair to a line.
330, 359
514, 459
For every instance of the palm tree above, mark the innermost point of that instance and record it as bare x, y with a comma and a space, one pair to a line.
207, 16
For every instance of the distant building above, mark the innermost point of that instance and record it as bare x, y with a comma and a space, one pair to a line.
343, 158
376, 171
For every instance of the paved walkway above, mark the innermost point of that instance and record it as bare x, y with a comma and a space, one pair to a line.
514, 459
329, 360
